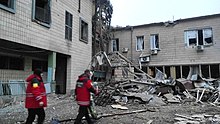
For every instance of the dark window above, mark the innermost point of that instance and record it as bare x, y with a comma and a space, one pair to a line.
185, 71
200, 37
42, 12
43, 65
83, 31
214, 71
8, 5
68, 26
11, 63
205, 71
79, 6
115, 45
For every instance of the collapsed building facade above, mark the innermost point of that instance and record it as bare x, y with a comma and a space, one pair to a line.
55, 36
178, 48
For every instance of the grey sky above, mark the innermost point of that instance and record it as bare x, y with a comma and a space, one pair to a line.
137, 12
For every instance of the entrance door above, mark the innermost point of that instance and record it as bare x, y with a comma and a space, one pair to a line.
60, 75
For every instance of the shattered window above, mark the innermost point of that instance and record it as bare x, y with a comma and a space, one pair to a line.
191, 38
68, 26
207, 36
83, 31
198, 37
115, 45
154, 41
42, 12
8, 5
140, 43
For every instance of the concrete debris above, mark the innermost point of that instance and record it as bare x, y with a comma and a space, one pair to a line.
131, 82
197, 119
119, 107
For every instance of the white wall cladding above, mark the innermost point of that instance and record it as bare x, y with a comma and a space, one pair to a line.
20, 28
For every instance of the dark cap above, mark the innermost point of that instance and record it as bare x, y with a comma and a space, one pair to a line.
38, 71
87, 71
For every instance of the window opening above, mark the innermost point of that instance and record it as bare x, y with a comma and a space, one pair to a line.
140, 43
8, 5
198, 37
154, 41
11, 63
42, 12
185, 71
83, 31
214, 71
68, 26
115, 45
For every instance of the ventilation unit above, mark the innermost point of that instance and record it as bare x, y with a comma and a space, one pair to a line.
145, 59
200, 48
154, 52
124, 50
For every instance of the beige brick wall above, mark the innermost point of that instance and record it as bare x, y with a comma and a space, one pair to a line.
171, 41
20, 28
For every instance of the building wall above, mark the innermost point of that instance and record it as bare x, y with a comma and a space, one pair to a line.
19, 28
171, 42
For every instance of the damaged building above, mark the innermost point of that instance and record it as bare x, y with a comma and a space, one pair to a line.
178, 48
53, 35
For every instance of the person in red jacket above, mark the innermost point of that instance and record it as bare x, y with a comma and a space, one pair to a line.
36, 98
82, 92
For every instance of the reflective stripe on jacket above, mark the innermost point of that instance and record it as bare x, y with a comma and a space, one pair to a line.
83, 85
35, 93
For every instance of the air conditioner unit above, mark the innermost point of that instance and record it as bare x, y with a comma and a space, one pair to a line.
124, 50
145, 59
200, 48
154, 52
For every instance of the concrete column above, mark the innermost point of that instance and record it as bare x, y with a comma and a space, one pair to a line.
51, 67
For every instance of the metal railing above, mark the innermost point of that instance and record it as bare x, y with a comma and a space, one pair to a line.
18, 87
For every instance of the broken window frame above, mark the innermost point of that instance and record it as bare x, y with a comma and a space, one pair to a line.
139, 43
198, 37
44, 20
68, 25
83, 31
8, 5
115, 45
154, 41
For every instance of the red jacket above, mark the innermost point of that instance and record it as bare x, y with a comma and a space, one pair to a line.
83, 89
35, 92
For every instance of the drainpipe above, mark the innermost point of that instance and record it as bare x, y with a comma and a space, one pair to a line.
131, 28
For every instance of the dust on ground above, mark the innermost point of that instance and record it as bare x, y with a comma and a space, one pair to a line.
63, 107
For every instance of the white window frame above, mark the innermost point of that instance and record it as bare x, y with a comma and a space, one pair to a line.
193, 34
140, 43
154, 43
68, 25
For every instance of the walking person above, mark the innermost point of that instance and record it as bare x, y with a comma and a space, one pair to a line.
82, 92
36, 98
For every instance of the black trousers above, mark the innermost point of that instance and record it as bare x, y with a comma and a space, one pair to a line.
32, 112
83, 111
